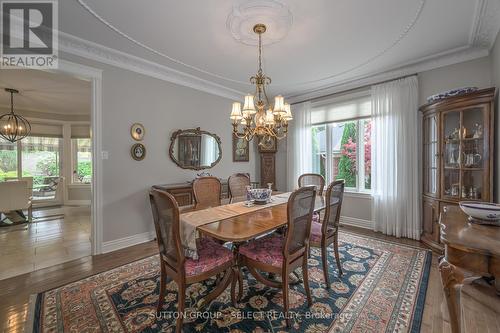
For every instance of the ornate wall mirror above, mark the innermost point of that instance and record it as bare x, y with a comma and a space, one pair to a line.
195, 149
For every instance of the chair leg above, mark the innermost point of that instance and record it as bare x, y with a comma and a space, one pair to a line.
181, 301
336, 250
305, 274
285, 298
324, 259
163, 282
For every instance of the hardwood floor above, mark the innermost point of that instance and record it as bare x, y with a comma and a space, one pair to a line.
57, 235
14, 292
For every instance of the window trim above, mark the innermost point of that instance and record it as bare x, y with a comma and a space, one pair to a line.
360, 176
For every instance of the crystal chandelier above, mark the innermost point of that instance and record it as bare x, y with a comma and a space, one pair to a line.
13, 127
258, 117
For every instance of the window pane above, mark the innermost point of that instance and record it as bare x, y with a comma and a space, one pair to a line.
41, 160
8, 159
319, 150
367, 141
82, 172
344, 152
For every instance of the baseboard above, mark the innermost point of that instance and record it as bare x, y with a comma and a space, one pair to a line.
78, 202
355, 222
122, 243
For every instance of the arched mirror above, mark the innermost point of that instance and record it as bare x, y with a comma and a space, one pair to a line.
195, 149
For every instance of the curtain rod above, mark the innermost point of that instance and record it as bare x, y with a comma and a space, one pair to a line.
315, 99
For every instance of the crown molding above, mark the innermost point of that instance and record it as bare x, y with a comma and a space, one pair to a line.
486, 24
424, 64
83, 48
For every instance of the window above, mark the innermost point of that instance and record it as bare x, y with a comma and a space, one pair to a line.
82, 161
342, 148
41, 159
8, 159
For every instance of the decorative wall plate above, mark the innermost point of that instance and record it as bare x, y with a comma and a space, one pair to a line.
137, 132
138, 152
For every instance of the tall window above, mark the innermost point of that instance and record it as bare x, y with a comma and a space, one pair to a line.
82, 161
8, 159
41, 159
342, 148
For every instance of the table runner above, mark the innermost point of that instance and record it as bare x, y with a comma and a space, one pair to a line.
192, 220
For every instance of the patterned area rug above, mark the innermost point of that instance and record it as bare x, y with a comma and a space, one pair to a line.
382, 290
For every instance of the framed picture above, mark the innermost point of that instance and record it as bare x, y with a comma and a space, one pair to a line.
267, 144
189, 150
138, 152
240, 150
137, 132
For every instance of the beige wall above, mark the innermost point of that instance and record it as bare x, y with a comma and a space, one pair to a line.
466, 74
495, 72
162, 107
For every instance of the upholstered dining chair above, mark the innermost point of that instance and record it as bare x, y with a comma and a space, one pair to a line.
237, 184
207, 192
214, 259
326, 232
281, 254
317, 180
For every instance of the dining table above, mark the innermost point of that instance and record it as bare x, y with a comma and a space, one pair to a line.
244, 227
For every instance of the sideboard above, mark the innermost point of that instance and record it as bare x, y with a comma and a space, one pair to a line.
183, 192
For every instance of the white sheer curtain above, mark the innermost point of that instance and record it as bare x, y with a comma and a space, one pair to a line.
299, 144
395, 163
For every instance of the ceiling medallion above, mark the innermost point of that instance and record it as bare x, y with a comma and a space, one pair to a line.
276, 16
258, 117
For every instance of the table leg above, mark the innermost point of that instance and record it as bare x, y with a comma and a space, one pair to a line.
451, 278
237, 276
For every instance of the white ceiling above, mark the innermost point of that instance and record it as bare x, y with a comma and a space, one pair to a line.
45, 92
328, 41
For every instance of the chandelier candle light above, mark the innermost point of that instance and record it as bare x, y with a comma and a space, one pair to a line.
13, 127
257, 117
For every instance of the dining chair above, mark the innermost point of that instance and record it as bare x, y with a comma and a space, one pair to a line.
207, 192
237, 184
214, 259
281, 254
317, 180
325, 233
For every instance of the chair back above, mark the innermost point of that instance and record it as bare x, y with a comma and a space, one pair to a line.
207, 192
299, 215
237, 184
27, 179
334, 197
317, 180
14, 195
166, 219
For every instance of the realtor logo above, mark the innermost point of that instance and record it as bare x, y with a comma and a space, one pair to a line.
29, 34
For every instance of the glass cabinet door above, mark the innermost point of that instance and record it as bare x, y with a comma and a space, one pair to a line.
431, 155
464, 147
473, 145
451, 155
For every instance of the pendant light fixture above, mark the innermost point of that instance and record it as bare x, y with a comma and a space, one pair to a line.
13, 127
258, 117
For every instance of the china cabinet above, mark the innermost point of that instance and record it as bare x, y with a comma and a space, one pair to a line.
458, 140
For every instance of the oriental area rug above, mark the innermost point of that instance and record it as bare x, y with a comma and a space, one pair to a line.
382, 290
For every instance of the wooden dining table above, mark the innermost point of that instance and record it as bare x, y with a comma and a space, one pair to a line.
245, 227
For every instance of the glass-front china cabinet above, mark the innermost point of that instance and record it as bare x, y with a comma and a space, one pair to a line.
458, 139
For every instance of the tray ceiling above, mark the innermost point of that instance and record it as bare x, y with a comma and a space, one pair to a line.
315, 44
